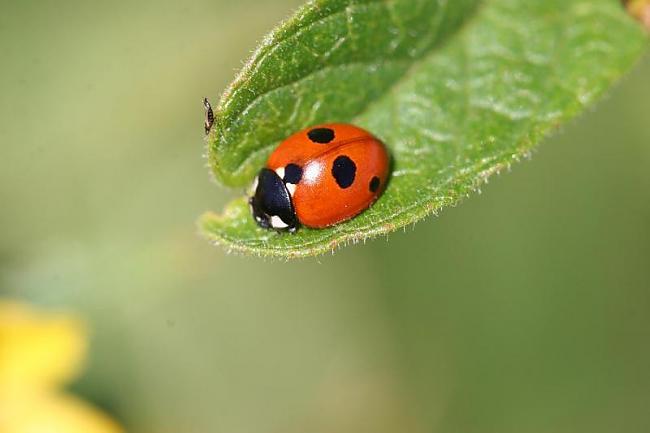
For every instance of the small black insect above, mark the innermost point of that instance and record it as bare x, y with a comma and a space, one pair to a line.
209, 116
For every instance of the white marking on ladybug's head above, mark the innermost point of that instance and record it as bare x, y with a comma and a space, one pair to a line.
277, 223
280, 172
291, 188
255, 182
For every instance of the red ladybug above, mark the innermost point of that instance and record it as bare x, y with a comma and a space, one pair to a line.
319, 177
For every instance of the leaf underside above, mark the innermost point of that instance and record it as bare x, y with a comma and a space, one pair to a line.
457, 90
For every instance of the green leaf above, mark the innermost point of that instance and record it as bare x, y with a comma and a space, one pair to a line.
457, 90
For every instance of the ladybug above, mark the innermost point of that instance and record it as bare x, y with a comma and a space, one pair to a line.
319, 177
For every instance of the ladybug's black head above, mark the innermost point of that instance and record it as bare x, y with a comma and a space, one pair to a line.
271, 203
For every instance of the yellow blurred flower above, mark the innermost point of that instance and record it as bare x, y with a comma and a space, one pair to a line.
39, 353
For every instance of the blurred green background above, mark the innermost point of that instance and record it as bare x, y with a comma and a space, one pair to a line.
525, 309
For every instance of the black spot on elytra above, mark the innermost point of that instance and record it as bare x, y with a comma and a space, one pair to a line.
292, 173
344, 170
321, 135
374, 184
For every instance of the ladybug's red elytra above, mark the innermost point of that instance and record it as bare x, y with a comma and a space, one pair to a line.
319, 177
